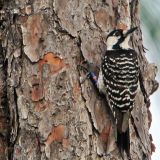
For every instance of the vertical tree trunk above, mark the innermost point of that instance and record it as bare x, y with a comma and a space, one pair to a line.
45, 112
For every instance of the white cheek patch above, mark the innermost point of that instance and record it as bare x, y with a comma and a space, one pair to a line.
111, 41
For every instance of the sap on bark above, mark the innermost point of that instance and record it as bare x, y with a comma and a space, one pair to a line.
55, 63
59, 134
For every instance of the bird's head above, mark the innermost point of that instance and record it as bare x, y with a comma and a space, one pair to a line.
119, 38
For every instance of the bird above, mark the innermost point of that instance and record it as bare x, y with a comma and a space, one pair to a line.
118, 81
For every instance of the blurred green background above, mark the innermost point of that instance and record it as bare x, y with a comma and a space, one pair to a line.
150, 24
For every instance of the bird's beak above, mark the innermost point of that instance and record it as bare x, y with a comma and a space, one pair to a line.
130, 31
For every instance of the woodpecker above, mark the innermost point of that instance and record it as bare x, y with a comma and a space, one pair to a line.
118, 81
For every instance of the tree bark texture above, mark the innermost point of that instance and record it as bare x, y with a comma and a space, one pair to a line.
45, 112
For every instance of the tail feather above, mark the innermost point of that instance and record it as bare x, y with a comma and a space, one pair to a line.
123, 143
123, 138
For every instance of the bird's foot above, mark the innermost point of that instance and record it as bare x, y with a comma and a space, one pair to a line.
88, 69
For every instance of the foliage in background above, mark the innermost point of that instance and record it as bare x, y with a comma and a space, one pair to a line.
150, 13
150, 21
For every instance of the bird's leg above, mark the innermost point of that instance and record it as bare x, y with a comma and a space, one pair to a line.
90, 70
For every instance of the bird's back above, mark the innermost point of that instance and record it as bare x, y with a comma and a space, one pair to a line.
120, 71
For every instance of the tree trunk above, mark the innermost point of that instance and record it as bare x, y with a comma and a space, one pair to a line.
46, 113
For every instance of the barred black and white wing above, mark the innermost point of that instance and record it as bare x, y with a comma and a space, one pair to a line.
120, 72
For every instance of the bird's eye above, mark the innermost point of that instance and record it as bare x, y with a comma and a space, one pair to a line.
117, 34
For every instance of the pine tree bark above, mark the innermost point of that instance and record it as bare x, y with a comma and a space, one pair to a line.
45, 112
